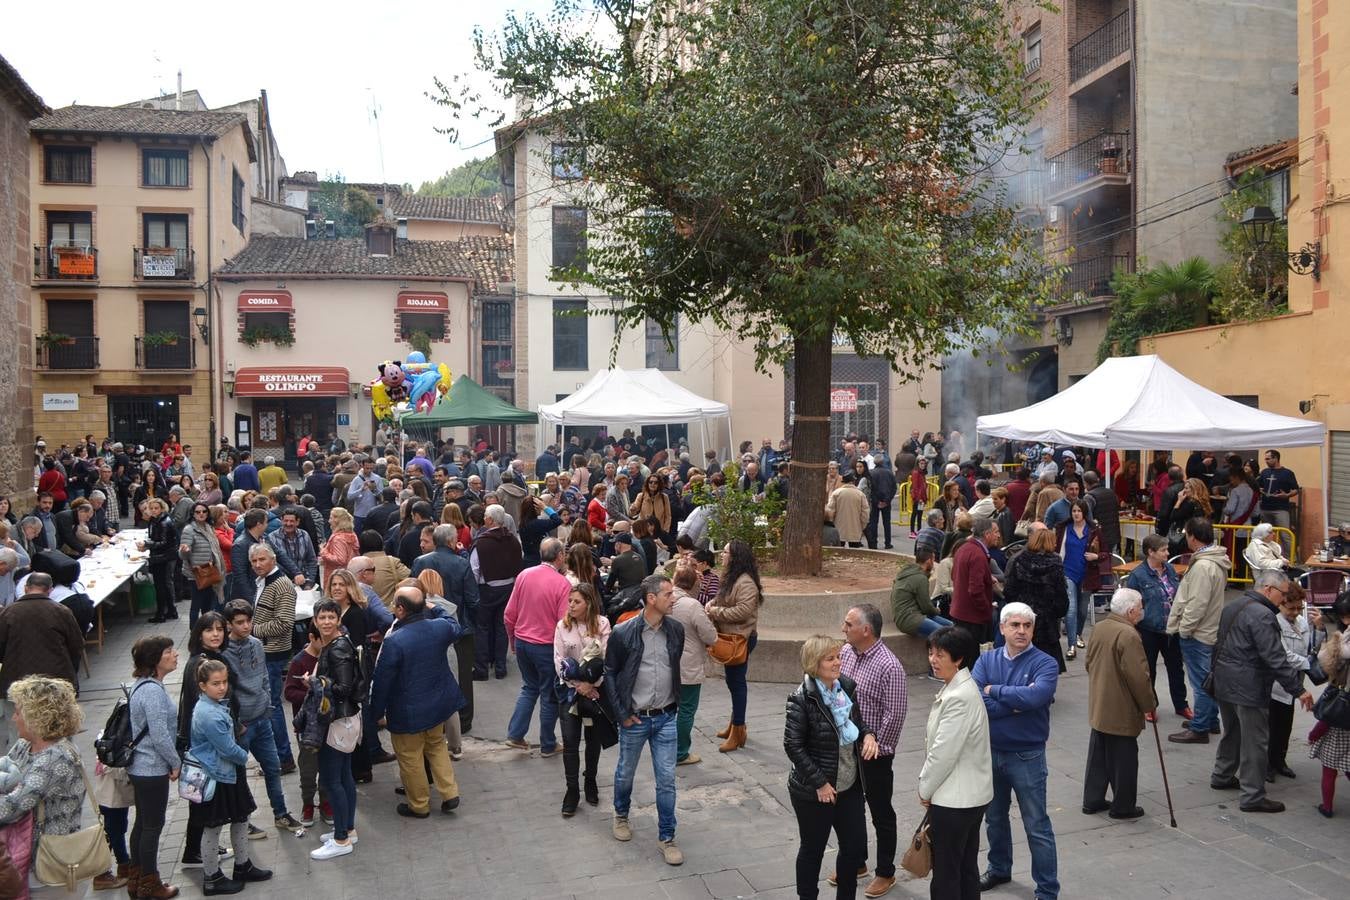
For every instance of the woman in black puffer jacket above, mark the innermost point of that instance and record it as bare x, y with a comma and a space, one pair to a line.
826, 742
1036, 578
338, 663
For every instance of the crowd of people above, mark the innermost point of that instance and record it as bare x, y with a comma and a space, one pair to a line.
430, 565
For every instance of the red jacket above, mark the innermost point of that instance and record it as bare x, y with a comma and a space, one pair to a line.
918, 486
972, 584
1018, 493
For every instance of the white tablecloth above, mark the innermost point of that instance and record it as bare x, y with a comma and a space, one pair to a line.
108, 568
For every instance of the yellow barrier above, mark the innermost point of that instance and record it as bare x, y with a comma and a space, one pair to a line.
1133, 530
905, 505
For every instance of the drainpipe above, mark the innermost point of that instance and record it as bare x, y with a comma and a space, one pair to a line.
211, 317
1134, 134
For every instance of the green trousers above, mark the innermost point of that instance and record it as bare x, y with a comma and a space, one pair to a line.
684, 719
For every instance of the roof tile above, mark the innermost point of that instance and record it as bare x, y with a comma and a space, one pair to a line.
486, 260
488, 210
138, 121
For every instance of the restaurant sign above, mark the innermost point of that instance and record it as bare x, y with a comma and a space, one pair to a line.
319, 381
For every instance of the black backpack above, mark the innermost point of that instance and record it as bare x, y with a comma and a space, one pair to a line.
115, 745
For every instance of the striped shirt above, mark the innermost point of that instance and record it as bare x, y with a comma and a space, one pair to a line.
883, 699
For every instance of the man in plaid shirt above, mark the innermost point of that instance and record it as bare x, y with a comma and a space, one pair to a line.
882, 703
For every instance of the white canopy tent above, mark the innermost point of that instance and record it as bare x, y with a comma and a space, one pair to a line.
1142, 403
634, 397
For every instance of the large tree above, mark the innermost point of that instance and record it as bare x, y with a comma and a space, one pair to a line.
794, 171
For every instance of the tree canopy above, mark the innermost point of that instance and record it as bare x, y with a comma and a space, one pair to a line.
475, 178
791, 170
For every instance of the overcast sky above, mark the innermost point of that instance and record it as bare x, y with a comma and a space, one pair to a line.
324, 66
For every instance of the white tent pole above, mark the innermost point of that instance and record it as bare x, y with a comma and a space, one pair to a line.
1326, 491
667, 441
1106, 457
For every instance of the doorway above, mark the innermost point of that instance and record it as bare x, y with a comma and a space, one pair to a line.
145, 420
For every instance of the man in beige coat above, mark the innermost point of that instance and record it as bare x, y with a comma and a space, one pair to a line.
848, 509
699, 635
1195, 620
1119, 694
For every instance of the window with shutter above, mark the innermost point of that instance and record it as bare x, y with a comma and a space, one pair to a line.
569, 237
72, 317
164, 168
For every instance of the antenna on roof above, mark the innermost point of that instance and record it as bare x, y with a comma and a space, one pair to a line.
379, 141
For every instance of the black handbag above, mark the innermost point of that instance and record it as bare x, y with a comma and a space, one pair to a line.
1333, 707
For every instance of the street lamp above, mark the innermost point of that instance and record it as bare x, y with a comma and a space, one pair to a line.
1258, 228
204, 329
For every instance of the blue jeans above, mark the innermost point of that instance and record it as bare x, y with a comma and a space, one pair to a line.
931, 624
335, 774
1077, 616
259, 741
1196, 655
203, 600
735, 676
281, 735
537, 677
660, 732
1022, 773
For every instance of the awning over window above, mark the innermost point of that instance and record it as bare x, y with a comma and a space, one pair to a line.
265, 301
282, 381
410, 301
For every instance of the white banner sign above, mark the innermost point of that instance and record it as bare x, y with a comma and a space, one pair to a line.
60, 402
158, 266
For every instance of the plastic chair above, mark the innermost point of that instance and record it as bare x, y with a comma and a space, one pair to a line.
1183, 559
1323, 586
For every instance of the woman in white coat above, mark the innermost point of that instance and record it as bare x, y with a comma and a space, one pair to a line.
957, 779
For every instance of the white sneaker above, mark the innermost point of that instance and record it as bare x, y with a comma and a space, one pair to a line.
327, 837
331, 850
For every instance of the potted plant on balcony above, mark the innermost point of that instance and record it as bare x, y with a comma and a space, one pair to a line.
50, 339
1110, 160
162, 338
252, 337
421, 341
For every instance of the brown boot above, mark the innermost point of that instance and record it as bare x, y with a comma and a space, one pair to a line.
133, 880
110, 880
725, 731
735, 740
154, 889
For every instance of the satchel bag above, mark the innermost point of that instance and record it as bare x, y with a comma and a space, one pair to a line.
67, 859
195, 784
1333, 707
345, 733
918, 858
1208, 684
207, 575
730, 649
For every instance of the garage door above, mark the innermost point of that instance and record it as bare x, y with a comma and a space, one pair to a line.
1340, 477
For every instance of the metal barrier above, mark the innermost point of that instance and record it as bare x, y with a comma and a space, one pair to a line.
1131, 528
905, 506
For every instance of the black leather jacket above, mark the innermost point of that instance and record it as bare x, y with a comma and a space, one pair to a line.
811, 739
339, 664
161, 539
623, 655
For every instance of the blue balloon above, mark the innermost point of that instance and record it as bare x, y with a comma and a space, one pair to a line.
417, 356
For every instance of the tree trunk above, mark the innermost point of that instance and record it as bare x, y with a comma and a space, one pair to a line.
811, 360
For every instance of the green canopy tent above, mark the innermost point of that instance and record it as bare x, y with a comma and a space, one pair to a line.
468, 403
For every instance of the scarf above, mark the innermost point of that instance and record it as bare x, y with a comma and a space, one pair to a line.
841, 707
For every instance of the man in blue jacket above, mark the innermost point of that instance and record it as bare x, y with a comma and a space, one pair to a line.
461, 589
413, 694
1018, 683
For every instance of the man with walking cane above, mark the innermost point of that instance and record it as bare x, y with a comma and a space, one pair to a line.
1018, 684
1119, 694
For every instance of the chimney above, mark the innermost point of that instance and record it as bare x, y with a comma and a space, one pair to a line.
380, 238
178, 99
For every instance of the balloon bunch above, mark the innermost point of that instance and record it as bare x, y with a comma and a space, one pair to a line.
413, 383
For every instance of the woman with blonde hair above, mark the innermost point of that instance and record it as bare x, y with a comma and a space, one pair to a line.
220, 523
826, 742
210, 493
453, 515
50, 771
342, 543
1191, 502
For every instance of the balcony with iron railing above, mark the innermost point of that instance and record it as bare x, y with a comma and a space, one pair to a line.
67, 352
1026, 192
1099, 48
1090, 279
1103, 160
65, 262
162, 263
164, 351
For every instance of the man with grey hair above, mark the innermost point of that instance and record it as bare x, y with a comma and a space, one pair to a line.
1119, 695
496, 560
1018, 682
538, 602
461, 589
883, 703
642, 682
973, 580
12, 558
271, 475
99, 522
934, 532
273, 623
1249, 657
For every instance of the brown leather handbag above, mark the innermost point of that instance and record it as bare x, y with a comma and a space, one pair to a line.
730, 649
207, 575
918, 858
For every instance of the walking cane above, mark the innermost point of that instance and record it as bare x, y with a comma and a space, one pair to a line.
1162, 765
